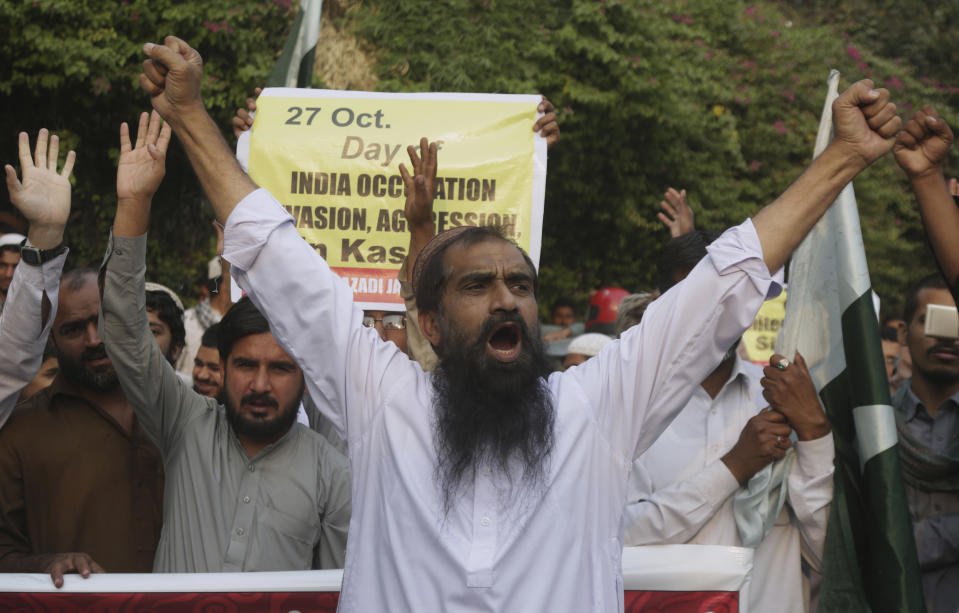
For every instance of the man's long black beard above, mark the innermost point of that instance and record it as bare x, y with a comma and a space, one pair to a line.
490, 413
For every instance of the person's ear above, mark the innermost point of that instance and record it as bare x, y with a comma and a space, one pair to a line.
902, 328
430, 327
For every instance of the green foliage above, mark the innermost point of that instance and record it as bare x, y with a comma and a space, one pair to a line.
72, 66
722, 98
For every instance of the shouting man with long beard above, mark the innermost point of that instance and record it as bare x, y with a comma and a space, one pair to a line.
455, 509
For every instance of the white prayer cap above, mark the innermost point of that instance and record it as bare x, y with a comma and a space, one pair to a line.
588, 344
156, 287
11, 238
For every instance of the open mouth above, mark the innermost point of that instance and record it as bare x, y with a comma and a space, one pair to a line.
505, 341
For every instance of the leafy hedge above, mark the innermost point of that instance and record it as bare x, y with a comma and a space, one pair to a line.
72, 66
721, 97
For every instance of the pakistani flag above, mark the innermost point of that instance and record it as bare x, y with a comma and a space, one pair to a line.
869, 561
295, 66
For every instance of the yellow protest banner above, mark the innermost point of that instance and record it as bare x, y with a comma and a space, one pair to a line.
760, 339
332, 159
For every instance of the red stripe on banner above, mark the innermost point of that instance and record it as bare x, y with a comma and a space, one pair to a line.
371, 284
681, 602
314, 602
171, 602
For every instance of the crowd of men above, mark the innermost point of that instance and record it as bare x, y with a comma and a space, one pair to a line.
456, 455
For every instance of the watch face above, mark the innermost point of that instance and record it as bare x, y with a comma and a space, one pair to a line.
30, 255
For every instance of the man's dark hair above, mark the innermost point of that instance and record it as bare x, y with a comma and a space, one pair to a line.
169, 313
562, 302
243, 319
429, 291
911, 303
11, 249
211, 337
888, 333
680, 255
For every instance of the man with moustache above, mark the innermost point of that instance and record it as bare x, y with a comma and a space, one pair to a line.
927, 417
247, 488
207, 372
507, 496
80, 482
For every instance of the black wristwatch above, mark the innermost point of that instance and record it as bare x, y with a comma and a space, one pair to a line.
35, 257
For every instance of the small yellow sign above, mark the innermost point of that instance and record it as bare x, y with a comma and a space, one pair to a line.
760, 339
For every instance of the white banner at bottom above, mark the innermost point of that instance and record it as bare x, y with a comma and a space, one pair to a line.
667, 579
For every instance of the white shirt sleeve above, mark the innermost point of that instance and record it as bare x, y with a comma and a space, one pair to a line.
674, 514
810, 494
348, 368
23, 334
637, 385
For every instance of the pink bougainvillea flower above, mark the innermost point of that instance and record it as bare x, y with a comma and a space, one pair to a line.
895, 83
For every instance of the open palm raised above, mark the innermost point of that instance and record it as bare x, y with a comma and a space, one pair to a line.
142, 165
43, 196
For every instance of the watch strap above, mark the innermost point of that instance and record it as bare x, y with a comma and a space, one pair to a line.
37, 257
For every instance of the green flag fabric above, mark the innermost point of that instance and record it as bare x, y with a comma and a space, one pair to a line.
869, 560
294, 68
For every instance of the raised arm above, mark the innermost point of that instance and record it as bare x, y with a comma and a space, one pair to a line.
420, 188
44, 199
921, 150
865, 124
149, 382
173, 76
310, 310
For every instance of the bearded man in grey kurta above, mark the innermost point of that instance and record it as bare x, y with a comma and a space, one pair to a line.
247, 488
